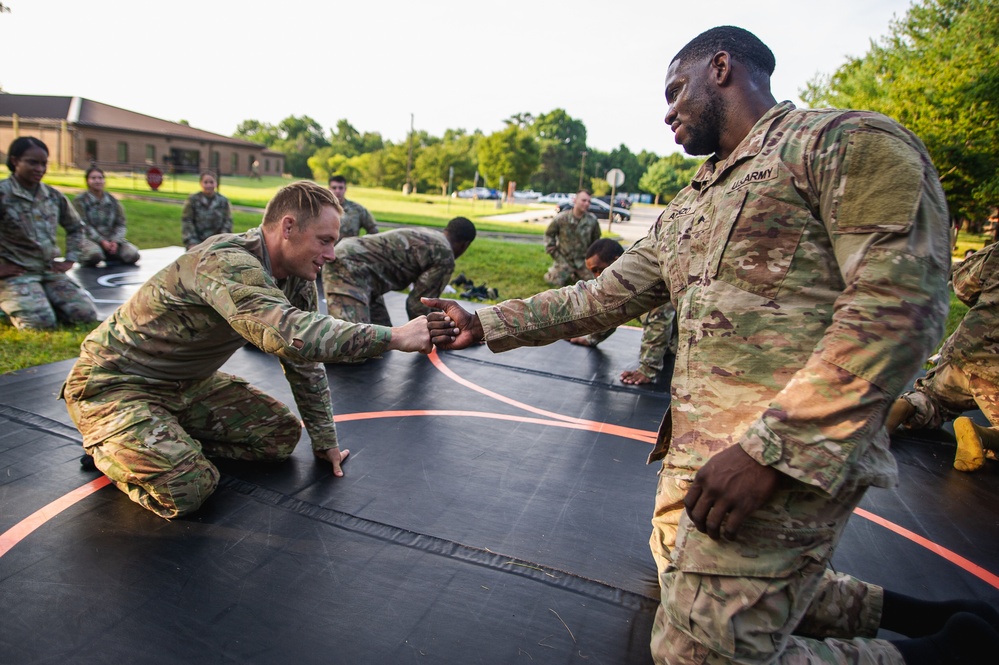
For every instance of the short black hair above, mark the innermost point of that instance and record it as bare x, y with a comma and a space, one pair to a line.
460, 229
743, 45
608, 250
21, 145
337, 178
93, 169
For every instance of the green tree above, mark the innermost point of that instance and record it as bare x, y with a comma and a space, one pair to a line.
668, 176
936, 73
257, 132
562, 140
434, 163
510, 153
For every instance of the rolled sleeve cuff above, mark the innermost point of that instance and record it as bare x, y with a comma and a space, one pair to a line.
807, 464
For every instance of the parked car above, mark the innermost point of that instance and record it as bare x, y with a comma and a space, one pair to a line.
477, 193
602, 210
620, 201
557, 198
526, 194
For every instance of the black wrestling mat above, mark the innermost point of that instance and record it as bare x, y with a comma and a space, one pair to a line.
495, 509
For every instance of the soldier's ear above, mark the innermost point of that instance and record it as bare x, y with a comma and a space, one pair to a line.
287, 224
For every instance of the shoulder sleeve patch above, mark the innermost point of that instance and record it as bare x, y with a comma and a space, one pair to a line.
882, 184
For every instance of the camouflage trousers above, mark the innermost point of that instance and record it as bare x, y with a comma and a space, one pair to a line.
946, 392
658, 337
563, 274
39, 301
768, 596
91, 253
152, 437
351, 299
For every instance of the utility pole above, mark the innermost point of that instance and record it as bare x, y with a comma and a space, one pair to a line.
409, 161
582, 165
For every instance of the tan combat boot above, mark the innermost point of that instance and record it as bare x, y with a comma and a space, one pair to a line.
972, 440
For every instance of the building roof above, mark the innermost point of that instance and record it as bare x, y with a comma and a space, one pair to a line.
88, 113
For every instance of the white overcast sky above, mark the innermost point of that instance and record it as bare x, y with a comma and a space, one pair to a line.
452, 63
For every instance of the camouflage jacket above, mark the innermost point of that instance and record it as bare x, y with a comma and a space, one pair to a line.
189, 318
204, 217
567, 239
355, 217
974, 345
104, 217
391, 261
809, 274
28, 226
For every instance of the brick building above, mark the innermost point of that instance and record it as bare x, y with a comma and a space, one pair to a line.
80, 131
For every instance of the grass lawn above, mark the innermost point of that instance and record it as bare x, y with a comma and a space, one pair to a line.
386, 205
515, 269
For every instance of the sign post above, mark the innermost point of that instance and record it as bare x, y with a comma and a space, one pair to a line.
616, 178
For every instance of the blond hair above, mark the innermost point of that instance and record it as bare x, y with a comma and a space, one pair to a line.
304, 200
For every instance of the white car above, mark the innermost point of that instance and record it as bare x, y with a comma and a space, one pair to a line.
557, 198
526, 194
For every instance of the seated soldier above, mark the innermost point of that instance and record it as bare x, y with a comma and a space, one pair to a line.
966, 376
658, 331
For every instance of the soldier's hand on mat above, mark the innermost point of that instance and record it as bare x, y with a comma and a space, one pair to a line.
335, 456
729, 487
62, 266
10, 270
581, 341
634, 377
414, 336
453, 328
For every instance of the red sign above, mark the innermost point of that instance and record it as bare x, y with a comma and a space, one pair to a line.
155, 178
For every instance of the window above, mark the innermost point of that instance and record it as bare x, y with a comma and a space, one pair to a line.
150, 153
267, 166
215, 160
91, 150
122, 152
234, 163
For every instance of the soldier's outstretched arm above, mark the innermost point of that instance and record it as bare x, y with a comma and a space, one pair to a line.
414, 336
454, 327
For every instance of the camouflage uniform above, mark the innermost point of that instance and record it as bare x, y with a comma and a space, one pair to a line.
204, 217
809, 274
146, 392
658, 337
355, 217
40, 296
967, 375
105, 220
368, 266
566, 241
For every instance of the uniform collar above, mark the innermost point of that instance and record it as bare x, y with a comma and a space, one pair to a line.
749, 147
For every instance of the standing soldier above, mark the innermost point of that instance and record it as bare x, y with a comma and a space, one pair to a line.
355, 216
966, 376
368, 266
35, 292
146, 392
567, 239
105, 220
808, 262
206, 213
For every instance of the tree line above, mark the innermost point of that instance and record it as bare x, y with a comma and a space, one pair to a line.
547, 153
935, 72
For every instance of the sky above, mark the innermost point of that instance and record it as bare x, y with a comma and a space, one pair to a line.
450, 64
